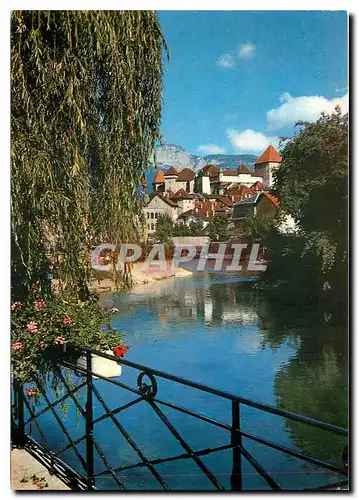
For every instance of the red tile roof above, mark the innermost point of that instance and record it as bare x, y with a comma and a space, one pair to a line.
198, 213
225, 200
258, 186
159, 177
208, 196
171, 171
163, 198
270, 154
182, 194
273, 199
186, 175
239, 190
205, 205
229, 172
253, 200
243, 169
210, 170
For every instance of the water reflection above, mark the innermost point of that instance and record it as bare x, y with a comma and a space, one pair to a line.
215, 302
230, 336
315, 381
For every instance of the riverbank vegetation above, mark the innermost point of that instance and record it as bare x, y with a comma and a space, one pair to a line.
216, 230
312, 186
86, 99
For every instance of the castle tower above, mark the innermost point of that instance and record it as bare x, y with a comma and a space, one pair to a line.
266, 164
159, 181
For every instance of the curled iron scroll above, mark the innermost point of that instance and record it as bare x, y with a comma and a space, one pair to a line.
147, 390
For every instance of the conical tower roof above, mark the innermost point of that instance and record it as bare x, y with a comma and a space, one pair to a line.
159, 177
269, 155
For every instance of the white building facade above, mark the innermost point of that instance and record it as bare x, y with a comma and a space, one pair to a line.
159, 206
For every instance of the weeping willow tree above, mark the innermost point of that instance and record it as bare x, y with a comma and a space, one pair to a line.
86, 97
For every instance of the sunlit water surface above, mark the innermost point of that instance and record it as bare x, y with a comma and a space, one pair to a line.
217, 330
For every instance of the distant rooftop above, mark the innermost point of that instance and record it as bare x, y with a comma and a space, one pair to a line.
269, 155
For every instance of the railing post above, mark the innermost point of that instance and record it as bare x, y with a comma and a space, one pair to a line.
19, 431
89, 423
236, 439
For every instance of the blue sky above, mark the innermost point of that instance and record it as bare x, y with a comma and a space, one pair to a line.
239, 80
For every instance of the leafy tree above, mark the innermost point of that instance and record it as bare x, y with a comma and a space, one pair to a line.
196, 227
256, 229
312, 186
181, 229
164, 229
86, 97
217, 228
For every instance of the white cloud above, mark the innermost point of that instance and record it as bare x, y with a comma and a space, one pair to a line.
226, 61
249, 141
306, 108
211, 149
246, 50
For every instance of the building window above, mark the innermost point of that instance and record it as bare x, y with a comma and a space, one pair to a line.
148, 215
148, 226
156, 215
152, 227
151, 215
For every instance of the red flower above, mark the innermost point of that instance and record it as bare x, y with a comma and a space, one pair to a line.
32, 392
67, 321
120, 350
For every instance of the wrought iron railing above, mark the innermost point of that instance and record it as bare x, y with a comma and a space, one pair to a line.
26, 419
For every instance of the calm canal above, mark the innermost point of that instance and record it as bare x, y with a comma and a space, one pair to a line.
217, 330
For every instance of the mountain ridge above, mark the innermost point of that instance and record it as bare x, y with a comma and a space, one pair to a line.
172, 155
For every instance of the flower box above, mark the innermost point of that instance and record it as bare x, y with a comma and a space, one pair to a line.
103, 366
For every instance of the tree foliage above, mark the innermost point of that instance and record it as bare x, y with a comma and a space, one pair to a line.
196, 228
312, 186
164, 229
255, 229
217, 228
86, 97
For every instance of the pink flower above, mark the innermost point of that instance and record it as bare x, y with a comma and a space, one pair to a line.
32, 327
67, 321
17, 346
42, 345
16, 305
59, 340
39, 304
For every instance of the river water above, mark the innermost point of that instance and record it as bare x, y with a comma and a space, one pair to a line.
218, 330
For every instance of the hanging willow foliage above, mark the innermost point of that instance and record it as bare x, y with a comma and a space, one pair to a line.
86, 97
